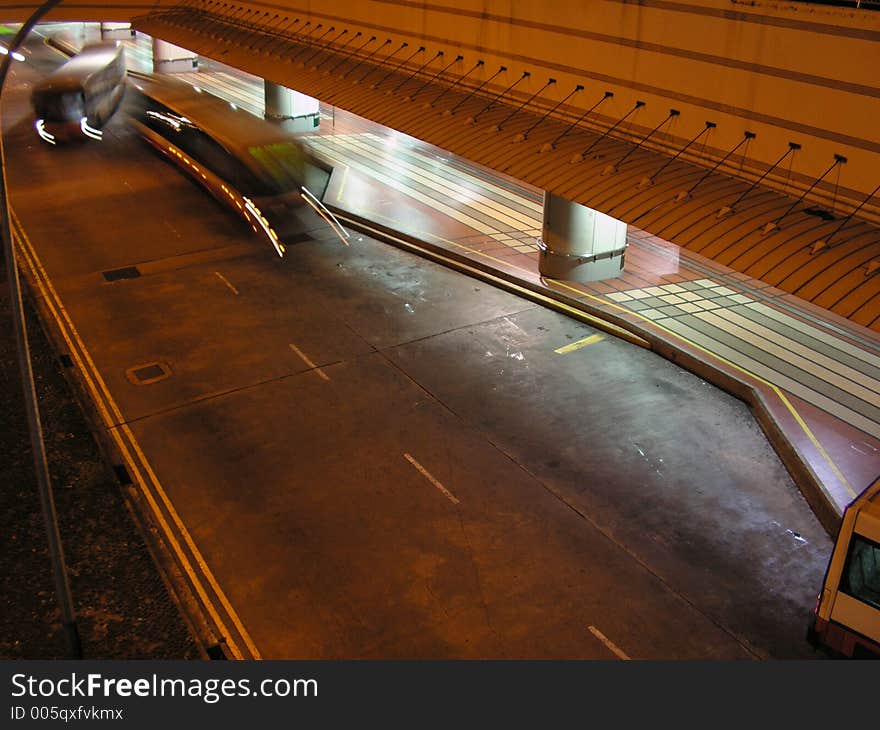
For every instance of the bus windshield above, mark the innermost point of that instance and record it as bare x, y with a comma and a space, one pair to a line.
284, 163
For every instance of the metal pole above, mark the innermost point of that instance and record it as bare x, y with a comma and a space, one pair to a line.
44, 484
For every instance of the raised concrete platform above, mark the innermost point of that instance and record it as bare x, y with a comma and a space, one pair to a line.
812, 377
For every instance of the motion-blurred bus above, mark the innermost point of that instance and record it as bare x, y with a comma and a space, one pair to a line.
256, 168
847, 615
80, 96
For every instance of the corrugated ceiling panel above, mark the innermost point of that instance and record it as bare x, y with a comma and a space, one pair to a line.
505, 135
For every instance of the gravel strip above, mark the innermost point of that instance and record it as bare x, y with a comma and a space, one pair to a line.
123, 608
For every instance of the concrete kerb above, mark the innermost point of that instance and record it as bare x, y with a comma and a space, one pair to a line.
804, 476
603, 321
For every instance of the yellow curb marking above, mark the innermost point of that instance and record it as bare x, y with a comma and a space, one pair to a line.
592, 339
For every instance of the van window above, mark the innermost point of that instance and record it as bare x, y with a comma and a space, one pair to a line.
54, 107
861, 573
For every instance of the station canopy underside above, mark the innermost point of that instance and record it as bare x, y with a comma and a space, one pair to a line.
825, 258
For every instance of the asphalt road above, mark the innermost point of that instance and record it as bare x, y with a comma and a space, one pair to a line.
380, 458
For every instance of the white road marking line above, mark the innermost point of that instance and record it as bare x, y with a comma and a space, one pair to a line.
226, 281
515, 325
592, 339
863, 447
308, 362
430, 477
170, 227
610, 644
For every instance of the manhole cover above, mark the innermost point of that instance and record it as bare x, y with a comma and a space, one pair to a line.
147, 373
127, 272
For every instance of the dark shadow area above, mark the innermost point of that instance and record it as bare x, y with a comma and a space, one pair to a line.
122, 606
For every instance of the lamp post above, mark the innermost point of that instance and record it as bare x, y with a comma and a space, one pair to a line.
44, 484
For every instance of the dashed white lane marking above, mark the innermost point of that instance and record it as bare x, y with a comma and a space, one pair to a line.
226, 281
167, 224
430, 477
308, 362
610, 644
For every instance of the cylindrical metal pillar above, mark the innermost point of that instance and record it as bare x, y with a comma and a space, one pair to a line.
300, 112
168, 58
579, 243
279, 101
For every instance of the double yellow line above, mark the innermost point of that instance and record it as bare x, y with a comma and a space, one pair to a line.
205, 587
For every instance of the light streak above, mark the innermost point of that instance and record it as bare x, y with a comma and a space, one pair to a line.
15, 54
90, 131
40, 126
334, 224
264, 224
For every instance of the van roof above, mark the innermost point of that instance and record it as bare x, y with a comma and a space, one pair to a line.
80, 67
869, 499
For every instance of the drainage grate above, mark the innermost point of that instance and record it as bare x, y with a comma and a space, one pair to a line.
126, 272
147, 373
122, 474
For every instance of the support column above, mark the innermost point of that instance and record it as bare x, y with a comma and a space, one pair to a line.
300, 112
168, 58
579, 243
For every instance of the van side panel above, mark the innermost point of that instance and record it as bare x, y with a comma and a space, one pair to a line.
847, 615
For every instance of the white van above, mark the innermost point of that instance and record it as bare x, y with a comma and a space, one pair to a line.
847, 615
